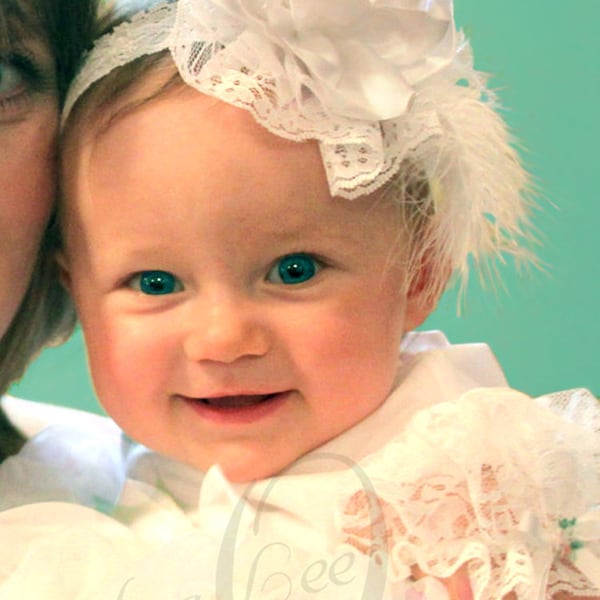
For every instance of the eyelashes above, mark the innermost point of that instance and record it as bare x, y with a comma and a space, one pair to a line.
22, 77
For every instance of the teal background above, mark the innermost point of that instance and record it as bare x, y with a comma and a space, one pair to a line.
543, 327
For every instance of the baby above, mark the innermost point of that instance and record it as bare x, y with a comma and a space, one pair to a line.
260, 202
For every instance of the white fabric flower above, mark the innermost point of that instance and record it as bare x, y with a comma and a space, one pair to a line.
360, 58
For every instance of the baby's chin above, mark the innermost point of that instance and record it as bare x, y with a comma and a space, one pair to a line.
241, 466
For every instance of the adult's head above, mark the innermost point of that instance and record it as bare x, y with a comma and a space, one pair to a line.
40, 43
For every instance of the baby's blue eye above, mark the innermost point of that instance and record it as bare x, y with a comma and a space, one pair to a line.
294, 268
156, 283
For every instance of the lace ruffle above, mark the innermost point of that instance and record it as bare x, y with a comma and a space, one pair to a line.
492, 481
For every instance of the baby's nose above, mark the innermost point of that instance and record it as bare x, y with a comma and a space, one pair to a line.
224, 330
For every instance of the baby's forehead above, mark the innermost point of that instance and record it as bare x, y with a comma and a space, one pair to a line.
185, 149
108, 108
151, 118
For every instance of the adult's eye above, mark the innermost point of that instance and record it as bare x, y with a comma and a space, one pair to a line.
24, 74
12, 79
294, 268
156, 283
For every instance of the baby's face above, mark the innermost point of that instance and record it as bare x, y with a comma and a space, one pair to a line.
234, 312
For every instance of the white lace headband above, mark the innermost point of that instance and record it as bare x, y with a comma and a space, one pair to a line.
376, 82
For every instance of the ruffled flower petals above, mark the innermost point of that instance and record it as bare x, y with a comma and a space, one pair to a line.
361, 59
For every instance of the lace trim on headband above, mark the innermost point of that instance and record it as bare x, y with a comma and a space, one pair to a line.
146, 33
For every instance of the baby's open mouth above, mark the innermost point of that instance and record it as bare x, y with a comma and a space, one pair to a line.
232, 402
238, 409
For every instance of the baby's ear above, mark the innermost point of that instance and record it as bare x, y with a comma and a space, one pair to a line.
64, 273
424, 291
